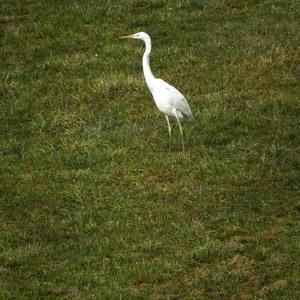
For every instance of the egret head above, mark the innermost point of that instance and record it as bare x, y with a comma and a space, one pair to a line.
139, 36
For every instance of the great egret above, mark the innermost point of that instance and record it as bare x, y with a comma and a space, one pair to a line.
167, 98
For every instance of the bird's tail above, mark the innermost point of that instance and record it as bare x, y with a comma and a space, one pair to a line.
189, 115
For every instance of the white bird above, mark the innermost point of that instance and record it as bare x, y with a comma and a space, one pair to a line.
167, 98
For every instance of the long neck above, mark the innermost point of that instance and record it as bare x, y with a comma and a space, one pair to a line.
146, 64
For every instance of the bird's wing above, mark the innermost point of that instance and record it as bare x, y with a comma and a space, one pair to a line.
175, 99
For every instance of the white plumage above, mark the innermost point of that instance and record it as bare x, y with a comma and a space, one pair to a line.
167, 98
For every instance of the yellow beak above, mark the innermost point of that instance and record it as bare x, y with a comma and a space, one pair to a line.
126, 37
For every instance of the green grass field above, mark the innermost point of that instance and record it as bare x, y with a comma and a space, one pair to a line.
93, 206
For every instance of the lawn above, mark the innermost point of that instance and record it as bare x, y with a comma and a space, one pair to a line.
93, 206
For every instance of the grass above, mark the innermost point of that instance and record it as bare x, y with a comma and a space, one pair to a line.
92, 204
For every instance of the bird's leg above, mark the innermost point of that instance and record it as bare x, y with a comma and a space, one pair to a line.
180, 128
170, 132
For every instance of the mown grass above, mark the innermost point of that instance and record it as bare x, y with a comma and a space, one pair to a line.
92, 204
